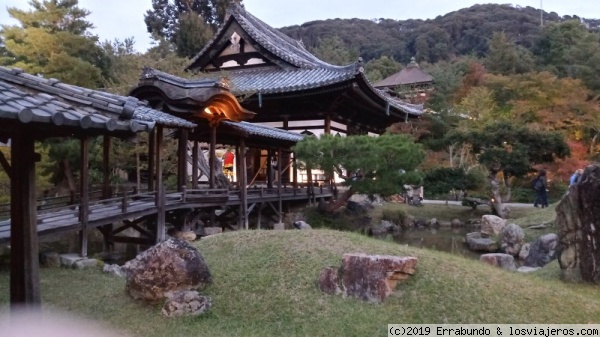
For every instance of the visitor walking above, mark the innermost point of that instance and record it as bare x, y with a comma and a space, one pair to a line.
540, 186
576, 177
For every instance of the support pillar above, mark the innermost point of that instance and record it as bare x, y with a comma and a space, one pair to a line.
244, 183
212, 155
84, 189
182, 160
24, 265
160, 188
151, 153
106, 167
195, 165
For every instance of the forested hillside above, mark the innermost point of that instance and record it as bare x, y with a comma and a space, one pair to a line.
463, 32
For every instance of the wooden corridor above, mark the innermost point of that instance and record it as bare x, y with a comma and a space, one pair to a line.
128, 207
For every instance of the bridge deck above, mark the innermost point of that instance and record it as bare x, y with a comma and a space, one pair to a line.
115, 210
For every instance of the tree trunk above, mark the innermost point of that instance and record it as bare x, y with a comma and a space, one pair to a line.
334, 205
496, 198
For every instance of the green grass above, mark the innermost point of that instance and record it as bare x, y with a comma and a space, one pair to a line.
265, 285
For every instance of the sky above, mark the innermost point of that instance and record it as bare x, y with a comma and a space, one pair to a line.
120, 19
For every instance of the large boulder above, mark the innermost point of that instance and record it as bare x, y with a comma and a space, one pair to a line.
511, 239
383, 227
492, 225
302, 225
542, 251
169, 266
504, 261
478, 243
577, 219
370, 278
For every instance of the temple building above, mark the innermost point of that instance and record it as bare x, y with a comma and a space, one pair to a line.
412, 83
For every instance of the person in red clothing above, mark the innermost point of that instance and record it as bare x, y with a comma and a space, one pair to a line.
228, 158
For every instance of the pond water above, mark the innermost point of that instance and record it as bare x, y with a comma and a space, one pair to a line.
451, 240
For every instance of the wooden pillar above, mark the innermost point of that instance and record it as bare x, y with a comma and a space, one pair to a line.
327, 124
195, 165
24, 265
269, 170
212, 155
309, 187
151, 152
160, 189
295, 173
106, 167
244, 182
84, 186
238, 172
279, 184
182, 159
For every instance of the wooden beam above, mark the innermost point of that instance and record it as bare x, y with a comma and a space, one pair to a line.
182, 159
5, 165
24, 265
84, 187
106, 167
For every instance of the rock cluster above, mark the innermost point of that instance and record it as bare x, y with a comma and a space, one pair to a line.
185, 303
371, 278
577, 222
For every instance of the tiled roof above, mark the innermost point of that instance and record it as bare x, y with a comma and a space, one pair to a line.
274, 41
310, 72
250, 129
32, 98
412, 74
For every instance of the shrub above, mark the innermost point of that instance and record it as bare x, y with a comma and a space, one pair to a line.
394, 215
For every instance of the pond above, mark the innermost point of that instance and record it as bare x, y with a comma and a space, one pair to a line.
451, 240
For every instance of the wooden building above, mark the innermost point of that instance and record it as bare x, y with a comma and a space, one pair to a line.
411, 83
289, 88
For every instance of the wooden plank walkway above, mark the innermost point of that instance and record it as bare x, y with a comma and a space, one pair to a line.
115, 210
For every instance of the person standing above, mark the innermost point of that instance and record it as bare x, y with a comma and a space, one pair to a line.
540, 186
576, 177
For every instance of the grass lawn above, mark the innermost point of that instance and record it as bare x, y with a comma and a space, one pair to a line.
265, 285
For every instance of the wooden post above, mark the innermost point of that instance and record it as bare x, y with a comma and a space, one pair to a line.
24, 265
151, 153
182, 159
327, 124
212, 155
105, 167
260, 207
310, 185
84, 187
295, 174
160, 188
124, 202
195, 165
279, 184
269, 170
239, 175
244, 182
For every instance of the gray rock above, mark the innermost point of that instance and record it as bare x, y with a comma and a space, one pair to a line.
492, 225
185, 303
85, 264
68, 260
524, 252
542, 251
383, 227
504, 261
113, 269
279, 226
212, 230
511, 239
433, 222
302, 225
477, 243
456, 223
172, 265
525, 269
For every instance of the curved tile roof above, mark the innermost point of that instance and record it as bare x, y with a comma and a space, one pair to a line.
33, 98
250, 129
274, 41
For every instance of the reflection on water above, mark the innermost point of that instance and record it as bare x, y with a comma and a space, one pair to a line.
451, 240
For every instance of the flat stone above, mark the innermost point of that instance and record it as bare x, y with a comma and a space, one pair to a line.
504, 261
525, 269
480, 244
68, 260
85, 264
185, 303
279, 226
